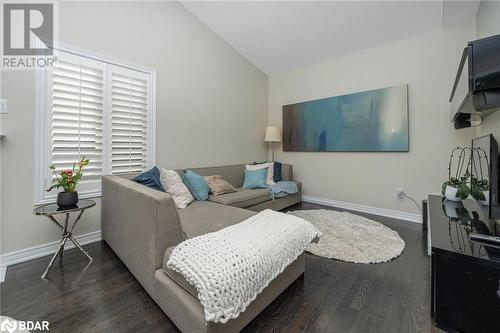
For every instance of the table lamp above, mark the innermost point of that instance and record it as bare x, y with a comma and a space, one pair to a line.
273, 134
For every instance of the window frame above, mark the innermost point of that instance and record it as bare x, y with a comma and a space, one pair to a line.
43, 111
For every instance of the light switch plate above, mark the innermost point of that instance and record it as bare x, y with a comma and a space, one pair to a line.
3, 106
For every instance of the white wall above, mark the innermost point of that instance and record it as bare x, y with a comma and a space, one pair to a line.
211, 102
488, 24
427, 63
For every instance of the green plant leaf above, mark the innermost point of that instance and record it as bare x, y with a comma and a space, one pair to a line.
463, 191
477, 192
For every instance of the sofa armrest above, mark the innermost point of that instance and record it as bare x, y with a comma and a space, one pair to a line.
138, 223
287, 172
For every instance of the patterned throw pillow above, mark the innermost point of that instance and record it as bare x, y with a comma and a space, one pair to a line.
217, 185
173, 185
270, 170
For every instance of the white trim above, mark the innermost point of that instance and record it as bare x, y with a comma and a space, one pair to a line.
3, 270
58, 46
42, 250
40, 134
417, 218
152, 122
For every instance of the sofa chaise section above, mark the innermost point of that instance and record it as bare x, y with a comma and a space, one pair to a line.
188, 315
140, 224
202, 217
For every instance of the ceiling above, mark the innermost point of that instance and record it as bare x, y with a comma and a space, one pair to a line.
278, 36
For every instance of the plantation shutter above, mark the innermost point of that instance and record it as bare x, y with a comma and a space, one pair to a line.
93, 106
130, 104
77, 102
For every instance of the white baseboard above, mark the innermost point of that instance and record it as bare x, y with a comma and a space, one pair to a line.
42, 250
417, 218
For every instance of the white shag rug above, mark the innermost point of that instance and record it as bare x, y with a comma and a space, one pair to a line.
352, 238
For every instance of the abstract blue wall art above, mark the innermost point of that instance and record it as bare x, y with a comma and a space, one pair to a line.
370, 121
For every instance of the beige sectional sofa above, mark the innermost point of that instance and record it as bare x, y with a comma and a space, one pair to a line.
143, 225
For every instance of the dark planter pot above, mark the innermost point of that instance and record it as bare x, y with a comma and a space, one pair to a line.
67, 199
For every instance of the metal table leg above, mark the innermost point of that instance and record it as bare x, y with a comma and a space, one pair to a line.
64, 237
71, 238
59, 250
63, 234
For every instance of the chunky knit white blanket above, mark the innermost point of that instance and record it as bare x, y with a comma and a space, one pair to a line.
230, 267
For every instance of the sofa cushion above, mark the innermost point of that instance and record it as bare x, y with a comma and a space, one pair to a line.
266, 165
233, 174
173, 185
177, 277
255, 179
202, 217
196, 184
276, 170
150, 178
217, 185
243, 198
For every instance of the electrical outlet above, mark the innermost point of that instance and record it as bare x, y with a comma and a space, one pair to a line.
400, 194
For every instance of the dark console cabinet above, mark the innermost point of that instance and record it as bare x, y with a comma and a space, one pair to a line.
465, 275
466, 295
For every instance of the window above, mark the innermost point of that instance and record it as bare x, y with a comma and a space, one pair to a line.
97, 107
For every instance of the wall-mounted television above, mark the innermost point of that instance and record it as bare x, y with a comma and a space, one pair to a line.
476, 90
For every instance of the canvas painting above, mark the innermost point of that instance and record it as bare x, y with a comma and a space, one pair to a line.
370, 121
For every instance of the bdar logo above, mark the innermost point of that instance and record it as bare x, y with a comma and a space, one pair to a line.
28, 28
8, 325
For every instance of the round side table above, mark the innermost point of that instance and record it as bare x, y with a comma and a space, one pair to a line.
52, 210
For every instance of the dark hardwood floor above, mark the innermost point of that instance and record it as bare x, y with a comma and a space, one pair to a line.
332, 296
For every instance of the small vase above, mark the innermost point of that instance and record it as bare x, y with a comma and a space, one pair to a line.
67, 199
451, 193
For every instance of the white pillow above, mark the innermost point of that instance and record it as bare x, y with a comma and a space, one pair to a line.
173, 185
270, 170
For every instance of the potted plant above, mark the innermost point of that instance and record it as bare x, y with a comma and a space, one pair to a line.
480, 186
456, 189
480, 190
68, 180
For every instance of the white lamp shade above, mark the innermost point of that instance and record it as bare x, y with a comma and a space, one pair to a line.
273, 134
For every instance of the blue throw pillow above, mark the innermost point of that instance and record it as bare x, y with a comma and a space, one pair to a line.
150, 178
255, 179
196, 185
277, 170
